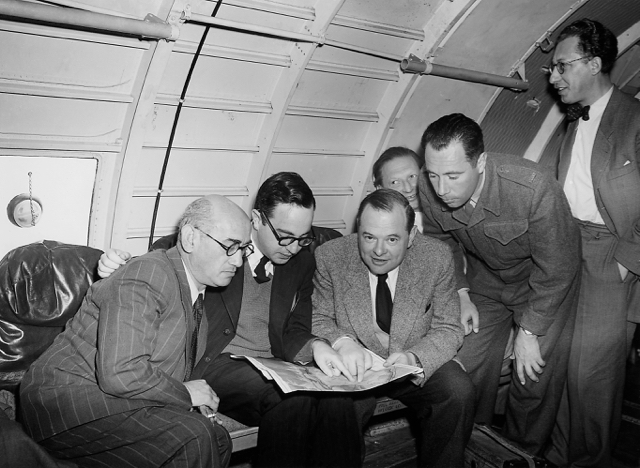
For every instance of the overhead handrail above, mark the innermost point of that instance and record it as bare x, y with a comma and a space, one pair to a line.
414, 64
151, 27
188, 16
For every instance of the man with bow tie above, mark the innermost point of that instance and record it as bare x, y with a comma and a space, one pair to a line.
265, 311
599, 169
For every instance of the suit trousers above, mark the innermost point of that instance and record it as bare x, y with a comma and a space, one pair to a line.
300, 429
444, 407
591, 410
531, 408
147, 437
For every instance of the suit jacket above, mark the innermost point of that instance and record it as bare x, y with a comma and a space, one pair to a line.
289, 309
521, 242
615, 173
126, 348
426, 308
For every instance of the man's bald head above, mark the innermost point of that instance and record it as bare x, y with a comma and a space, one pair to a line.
208, 228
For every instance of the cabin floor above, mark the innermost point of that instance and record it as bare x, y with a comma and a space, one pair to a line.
396, 448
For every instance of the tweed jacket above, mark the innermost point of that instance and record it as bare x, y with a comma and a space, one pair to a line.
289, 308
522, 245
426, 308
126, 348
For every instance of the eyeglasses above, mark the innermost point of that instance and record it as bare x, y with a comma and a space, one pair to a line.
285, 241
231, 250
561, 66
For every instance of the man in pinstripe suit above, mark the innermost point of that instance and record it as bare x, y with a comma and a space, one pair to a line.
114, 388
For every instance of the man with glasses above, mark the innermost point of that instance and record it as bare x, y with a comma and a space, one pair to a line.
598, 167
116, 387
265, 311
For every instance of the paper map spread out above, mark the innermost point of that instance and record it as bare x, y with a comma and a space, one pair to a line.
292, 377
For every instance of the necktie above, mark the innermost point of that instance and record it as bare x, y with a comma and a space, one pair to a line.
261, 274
575, 111
384, 304
198, 310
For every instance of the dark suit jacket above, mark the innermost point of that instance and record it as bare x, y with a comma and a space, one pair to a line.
289, 308
615, 173
522, 244
126, 348
426, 306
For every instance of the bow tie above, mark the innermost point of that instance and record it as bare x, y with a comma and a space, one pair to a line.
575, 111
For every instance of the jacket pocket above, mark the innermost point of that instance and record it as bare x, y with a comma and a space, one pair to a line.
505, 232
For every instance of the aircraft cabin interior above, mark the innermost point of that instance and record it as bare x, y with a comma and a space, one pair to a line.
116, 114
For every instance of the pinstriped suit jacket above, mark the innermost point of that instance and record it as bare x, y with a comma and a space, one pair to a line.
426, 306
125, 349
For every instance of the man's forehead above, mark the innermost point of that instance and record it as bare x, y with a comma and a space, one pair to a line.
567, 48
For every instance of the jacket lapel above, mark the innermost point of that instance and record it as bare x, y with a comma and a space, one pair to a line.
187, 302
232, 295
359, 307
405, 304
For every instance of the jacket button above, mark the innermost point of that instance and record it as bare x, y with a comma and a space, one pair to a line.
207, 359
227, 331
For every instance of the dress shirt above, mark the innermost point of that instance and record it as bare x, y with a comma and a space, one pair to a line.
578, 186
255, 258
195, 292
392, 280
419, 220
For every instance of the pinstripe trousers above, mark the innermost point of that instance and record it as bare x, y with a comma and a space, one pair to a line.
146, 437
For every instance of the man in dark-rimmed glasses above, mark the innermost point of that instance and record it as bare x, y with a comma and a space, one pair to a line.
599, 169
265, 311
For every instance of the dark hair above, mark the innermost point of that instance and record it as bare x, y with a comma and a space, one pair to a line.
390, 154
385, 200
594, 40
455, 127
283, 188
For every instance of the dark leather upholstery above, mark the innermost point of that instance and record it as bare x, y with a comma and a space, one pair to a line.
41, 287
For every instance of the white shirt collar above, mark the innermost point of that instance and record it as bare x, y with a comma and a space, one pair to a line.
193, 288
255, 258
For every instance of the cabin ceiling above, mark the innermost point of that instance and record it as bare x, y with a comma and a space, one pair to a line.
158, 123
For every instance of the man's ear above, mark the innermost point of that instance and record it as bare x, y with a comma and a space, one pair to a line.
187, 238
256, 219
412, 235
595, 65
482, 161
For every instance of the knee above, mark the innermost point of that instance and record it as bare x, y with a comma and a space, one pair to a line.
212, 439
460, 390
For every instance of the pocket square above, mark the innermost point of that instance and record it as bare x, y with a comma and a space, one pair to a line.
628, 162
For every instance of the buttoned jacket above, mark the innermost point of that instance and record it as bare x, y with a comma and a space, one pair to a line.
126, 348
521, 243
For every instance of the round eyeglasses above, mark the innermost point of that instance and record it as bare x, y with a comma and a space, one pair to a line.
231, 250
561, 66
288, 240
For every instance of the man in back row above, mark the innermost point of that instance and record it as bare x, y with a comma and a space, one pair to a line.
268, 298
523, 261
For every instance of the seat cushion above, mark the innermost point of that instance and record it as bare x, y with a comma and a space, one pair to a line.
41, 287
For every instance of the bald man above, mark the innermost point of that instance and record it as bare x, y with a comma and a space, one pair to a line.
114, 388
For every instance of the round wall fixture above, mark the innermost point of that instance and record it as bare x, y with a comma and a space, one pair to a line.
24, 211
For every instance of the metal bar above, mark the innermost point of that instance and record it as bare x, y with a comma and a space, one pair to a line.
415, 65
279, 33
148, 28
